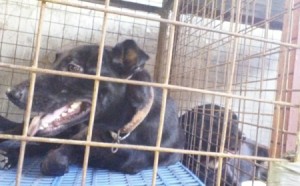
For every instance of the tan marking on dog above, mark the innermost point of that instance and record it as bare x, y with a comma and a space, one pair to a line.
140, 115
131, 56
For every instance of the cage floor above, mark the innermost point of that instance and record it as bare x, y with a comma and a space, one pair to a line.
167, 176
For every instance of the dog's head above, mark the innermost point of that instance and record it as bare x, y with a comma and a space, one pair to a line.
214, 118
66, 101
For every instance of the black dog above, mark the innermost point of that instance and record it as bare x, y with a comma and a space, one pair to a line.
204, 125
125, 113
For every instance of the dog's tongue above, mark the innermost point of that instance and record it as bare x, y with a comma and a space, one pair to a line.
34, 125
42, 120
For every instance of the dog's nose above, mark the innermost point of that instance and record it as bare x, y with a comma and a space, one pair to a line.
15, 94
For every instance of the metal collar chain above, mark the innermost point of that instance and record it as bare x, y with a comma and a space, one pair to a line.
117, 139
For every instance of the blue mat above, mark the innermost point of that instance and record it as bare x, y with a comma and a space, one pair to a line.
173, 175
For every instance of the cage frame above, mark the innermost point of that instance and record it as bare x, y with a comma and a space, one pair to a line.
164, 22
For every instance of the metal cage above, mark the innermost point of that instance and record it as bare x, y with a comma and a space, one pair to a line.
240, 57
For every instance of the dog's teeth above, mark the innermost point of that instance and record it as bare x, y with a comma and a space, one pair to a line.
45, 125
71, 110
75, 105
64, 114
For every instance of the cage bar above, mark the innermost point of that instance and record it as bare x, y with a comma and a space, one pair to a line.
241, 56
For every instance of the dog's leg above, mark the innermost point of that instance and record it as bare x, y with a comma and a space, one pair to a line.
15, 131
56, 162
9, 127
6, 124
141, 98
8, 158
9, 154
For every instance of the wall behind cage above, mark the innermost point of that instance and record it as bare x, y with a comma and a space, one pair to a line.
63, 27
203, 60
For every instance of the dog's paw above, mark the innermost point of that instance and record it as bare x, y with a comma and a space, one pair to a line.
55, 164
4, 160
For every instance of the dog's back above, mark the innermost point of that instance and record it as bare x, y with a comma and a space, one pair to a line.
205, 123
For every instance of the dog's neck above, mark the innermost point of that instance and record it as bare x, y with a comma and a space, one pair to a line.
136, 120
135, 70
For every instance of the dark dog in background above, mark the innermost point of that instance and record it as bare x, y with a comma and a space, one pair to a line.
125, 113
203, 126
205, 123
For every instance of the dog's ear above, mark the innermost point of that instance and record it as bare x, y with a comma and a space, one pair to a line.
127, 57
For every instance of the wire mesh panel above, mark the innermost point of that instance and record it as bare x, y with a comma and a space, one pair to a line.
232, 55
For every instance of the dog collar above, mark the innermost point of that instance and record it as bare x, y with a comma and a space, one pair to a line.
136, 120
117, 139
136, 70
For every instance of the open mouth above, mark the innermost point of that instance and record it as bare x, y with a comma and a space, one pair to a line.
50, 124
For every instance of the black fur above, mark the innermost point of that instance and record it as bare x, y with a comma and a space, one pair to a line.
203, 126
116, 105
7, 124
205, 119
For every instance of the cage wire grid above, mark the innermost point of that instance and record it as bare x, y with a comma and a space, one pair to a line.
215, 60
213, 76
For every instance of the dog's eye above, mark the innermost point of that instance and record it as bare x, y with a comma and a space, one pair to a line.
74, 68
